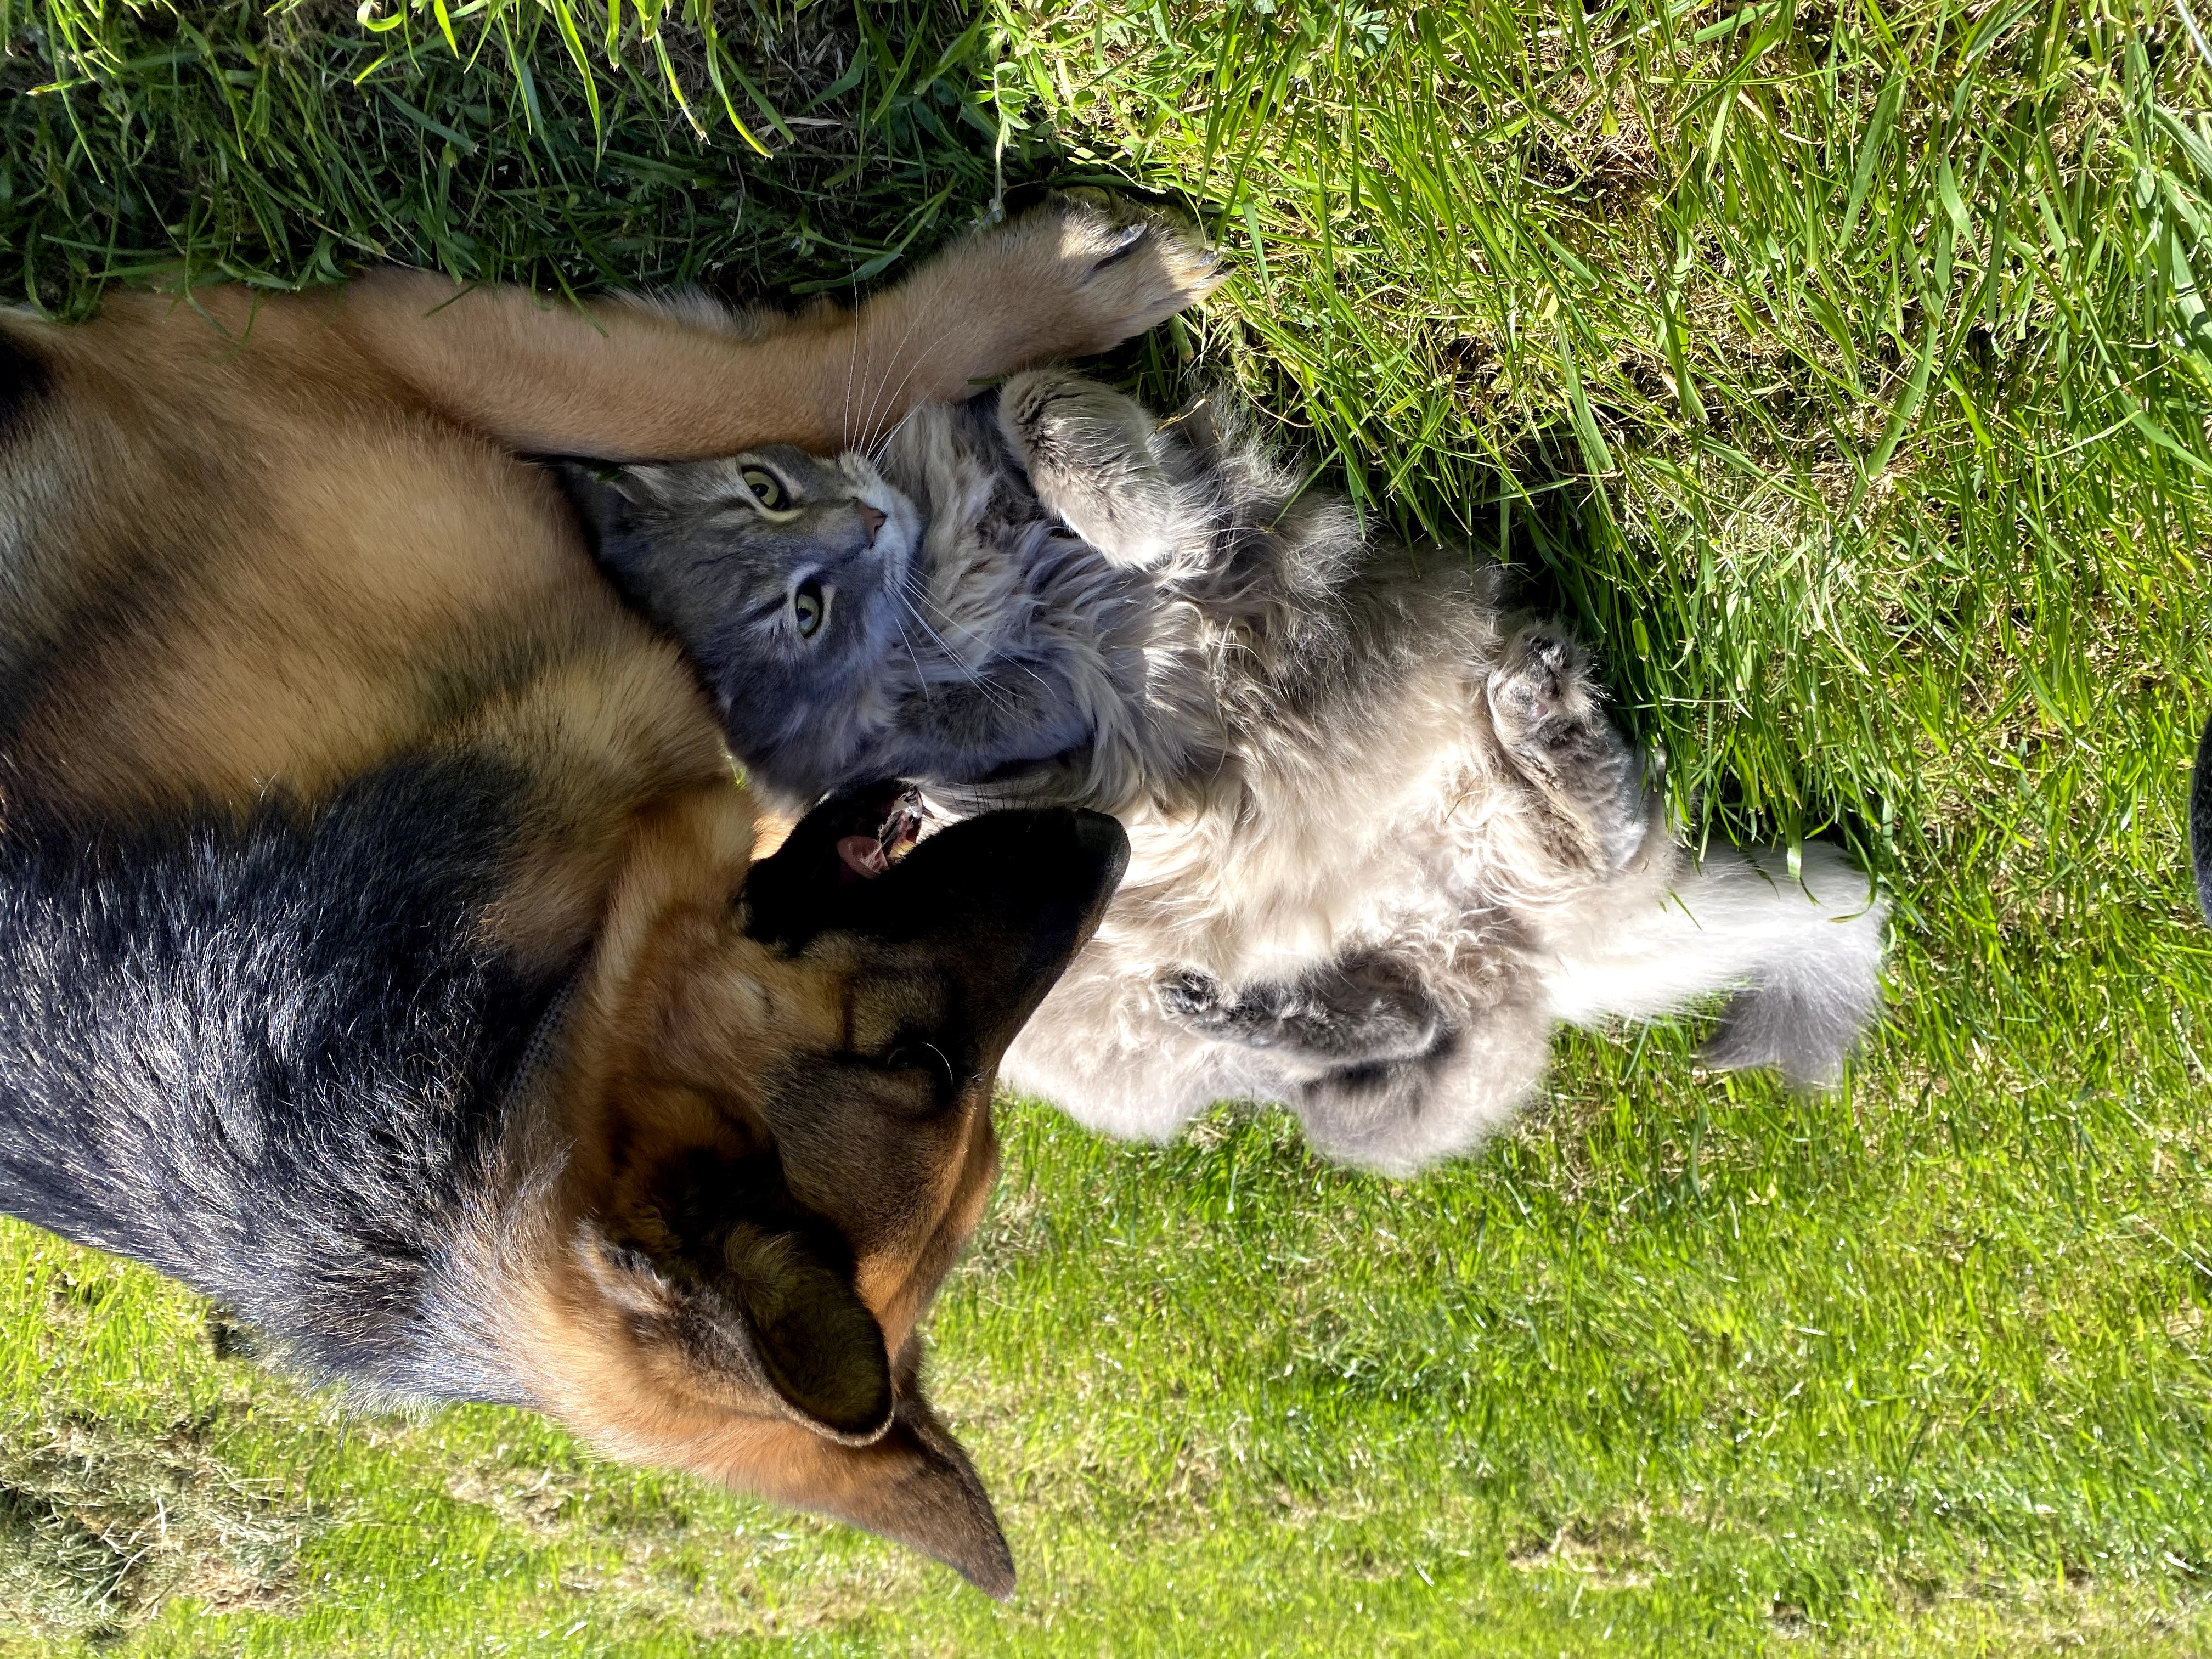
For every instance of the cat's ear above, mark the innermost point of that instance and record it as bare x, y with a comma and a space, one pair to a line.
635, 481
603, 494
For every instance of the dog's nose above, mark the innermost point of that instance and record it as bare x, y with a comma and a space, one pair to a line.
872, 518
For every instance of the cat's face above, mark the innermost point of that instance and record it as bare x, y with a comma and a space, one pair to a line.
782, 572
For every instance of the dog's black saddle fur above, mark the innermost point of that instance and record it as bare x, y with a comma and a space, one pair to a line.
269, 1058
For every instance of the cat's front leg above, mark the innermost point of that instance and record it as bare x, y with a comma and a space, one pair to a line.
1088, 450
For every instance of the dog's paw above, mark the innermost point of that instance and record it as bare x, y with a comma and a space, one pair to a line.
1129, 267
1193, 997
1080, 275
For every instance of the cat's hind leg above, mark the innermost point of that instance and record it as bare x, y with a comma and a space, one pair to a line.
1364, 1008
1100, 1050
1399, 1117
1088, 452
1549, 713
1380, 1072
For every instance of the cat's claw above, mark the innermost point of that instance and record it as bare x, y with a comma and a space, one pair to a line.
1192, 995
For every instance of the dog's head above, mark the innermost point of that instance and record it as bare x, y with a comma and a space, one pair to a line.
778, 1111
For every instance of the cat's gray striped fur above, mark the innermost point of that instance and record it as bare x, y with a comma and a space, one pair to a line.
1384, 834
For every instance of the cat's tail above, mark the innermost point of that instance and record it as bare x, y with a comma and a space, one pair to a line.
1803, 954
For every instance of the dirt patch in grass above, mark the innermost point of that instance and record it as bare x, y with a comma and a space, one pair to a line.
99, 1526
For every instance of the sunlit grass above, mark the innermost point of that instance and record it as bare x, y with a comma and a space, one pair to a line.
1843, 371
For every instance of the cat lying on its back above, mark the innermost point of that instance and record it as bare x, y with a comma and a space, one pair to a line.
1383, 834
846, 635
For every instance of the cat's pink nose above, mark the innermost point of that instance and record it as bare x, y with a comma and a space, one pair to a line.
872, 518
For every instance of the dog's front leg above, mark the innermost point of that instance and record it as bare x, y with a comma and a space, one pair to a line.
626, 380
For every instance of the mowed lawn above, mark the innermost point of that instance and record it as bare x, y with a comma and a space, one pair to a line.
1841, 369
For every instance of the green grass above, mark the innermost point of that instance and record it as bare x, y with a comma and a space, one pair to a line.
1844, 371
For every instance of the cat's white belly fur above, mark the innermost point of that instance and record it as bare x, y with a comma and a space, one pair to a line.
1394, 846
1413, 849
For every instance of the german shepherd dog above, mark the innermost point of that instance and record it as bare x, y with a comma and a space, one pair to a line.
382, 947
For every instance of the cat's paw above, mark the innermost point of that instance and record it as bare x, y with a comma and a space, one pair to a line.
1542, 695
1549, 712
1078, 275
1193, 997
1385, 1007
1088, 451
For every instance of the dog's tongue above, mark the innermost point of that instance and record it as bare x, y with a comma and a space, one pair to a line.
863, 855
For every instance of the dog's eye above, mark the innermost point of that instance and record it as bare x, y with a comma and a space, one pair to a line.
766, 490
919, 1056
810, 608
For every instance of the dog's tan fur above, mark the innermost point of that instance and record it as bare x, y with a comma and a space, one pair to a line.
257, 545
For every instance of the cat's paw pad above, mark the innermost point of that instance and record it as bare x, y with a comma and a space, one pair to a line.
1535, 674
1542, 691
1192, 996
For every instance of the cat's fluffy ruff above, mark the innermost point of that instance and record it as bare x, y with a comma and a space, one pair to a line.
1324, 746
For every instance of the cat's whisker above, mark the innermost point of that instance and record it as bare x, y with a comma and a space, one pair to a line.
891, 394
851, 365
912, 656
889, 398
885, 396
868, 391
862, 377
975, 676
882, 445
1015, 662
899, 391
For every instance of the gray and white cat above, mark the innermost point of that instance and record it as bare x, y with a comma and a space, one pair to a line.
1383, 834
847, 637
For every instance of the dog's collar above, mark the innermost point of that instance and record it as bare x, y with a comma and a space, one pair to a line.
543, 1052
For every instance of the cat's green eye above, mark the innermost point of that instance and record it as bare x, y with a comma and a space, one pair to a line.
810, 608
766, 490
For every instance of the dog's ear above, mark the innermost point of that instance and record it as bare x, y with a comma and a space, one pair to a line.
783, 1334
766, 1319
818, 1344
914, 1486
